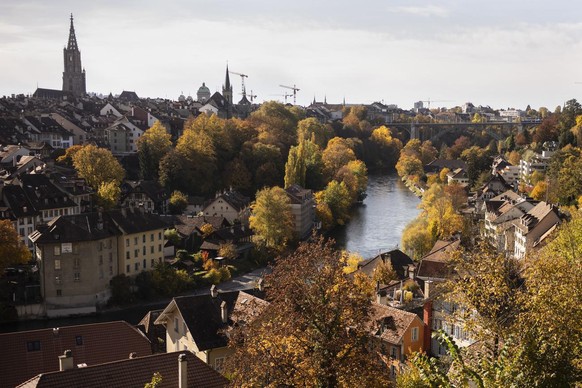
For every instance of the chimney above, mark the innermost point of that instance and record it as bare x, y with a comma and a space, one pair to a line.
132, 355
427, 285
427, 318
66, 361
411, 273
182, 371
261, 284
213, 291
223, 312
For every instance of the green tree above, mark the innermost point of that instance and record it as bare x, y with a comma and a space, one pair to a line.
337, 198
271, 218
155, 143
97, 165
296, 168
178, 202
313, 333
12, 250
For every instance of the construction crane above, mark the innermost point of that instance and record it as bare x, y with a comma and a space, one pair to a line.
252, 96
242, 77
429, 101
282, 95
295, 90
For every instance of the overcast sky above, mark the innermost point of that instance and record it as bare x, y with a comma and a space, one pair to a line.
490, 52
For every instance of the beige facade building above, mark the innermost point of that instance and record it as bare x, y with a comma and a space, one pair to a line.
303, 209
141, 244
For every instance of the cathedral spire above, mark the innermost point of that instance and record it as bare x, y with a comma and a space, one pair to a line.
72, 38
227, 80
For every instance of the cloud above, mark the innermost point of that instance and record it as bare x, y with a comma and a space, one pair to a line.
425, 11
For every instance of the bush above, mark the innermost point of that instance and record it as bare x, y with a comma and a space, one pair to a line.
213, 276
121, 290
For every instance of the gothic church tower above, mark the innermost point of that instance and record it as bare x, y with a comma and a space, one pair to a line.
74, 74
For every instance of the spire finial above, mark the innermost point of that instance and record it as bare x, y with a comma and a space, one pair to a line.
72, 45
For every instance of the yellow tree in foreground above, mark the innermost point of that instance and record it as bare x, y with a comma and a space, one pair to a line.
313, 333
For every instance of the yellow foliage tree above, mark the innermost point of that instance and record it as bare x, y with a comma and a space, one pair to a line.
12, 250
97, 165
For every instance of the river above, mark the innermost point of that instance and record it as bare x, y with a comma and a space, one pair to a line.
377, 224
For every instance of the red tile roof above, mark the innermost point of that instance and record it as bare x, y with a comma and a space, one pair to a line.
135, 372
90, 344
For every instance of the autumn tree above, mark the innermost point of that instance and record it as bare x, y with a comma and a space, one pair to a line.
548, 351
384, 273
409, 165
108, 194
271, 218
97, 166
313, 332
417, 240
67, 158
152, 146
178, 202
276, 125
311, 129
12, 250
335, 199
227, 250
383, 149
336, 155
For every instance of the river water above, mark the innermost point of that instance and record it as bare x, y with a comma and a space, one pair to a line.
377, 224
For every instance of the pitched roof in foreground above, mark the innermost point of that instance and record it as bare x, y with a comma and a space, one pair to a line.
29, 353
134, 372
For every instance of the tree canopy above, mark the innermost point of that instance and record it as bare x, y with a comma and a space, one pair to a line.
271, 217
313, 332
12, 250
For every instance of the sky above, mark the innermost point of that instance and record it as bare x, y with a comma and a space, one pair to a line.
505, 54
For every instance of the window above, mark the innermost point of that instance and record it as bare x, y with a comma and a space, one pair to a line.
100, 245
77, 262
153, 263
127, 268
57, 279
159, 235
59, 292
57, 264
176, 325
392, 370
110, 271
152, 249
135, 240
136, 253
414, 334
79, 340
126, 242
127, 255
394, 352
159, 247
136, 266
152, 237
33, 346
219, 364
144, 250
111, 257
77, 276
143, 238
144, 264
57, 250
